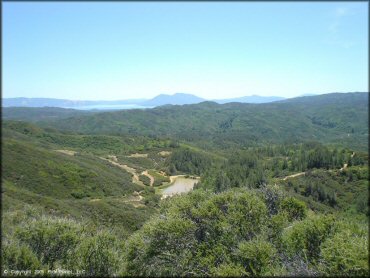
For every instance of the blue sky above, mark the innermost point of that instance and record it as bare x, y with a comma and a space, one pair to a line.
123, 50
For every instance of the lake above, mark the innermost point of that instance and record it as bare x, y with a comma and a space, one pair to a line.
180, 185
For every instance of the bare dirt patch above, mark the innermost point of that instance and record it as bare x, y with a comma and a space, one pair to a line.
162, 173
293, 176
344, 167
164, 153
113, 158
138, 155
68, 152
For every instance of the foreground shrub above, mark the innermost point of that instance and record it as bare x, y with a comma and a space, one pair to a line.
305, 238
18, 257
228, 270
98, 255
346, 254
295, 209
196, 234
161, 248
48, 242
272, 197
51, 239
257, 256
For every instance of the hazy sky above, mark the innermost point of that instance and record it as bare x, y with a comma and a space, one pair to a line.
127, 50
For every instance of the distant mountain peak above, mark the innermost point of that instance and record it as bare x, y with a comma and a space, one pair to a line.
175, 99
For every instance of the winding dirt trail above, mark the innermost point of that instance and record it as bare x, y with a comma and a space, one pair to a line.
138, 155
345, 166
293, 176
145, 173
135, 176
68, 152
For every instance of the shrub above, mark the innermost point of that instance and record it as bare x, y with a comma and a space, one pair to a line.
158, 178
145, 179
228, 270
272, 196
295, 209
276, 226
98, 255
15, 257
159, 248
196, 234
346, 253
51, 239
78, 194
257, 256
305, 238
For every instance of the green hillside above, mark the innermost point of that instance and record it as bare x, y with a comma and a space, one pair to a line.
281, 189
40, 113
79, 185
333, 118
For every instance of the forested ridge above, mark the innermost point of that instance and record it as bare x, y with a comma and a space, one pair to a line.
325, 118
282, 189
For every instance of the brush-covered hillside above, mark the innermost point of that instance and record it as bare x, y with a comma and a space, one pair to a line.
332, 118
278, 189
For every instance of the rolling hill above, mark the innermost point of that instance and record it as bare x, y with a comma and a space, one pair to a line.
283, 179
331, 118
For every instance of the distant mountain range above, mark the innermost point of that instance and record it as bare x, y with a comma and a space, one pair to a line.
162, 99
63, 103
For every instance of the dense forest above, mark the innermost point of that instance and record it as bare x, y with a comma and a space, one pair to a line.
281, 190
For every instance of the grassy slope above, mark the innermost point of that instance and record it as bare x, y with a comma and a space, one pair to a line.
35, 174
69, 184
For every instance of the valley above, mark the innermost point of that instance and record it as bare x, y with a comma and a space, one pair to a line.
175, 190
185, 139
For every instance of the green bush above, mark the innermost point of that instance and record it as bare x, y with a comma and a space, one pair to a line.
346, 253
304, 238
144, 179
195, 234
78, 194
272, 195
158, 178
18, 257
51, 239
295, 209
52, 242
228, 270
257, 256
276, 226
98, 255
160, 248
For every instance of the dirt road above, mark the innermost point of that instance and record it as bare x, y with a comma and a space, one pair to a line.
145, 173
135, 176
293, 176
